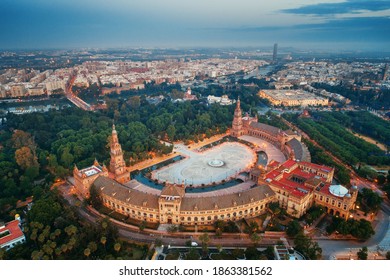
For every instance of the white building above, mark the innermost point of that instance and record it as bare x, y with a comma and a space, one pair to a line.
11, 234
224, 100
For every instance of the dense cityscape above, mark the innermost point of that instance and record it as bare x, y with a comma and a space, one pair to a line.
312, 112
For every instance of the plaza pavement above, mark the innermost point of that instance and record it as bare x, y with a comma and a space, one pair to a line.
195, 170
273, 153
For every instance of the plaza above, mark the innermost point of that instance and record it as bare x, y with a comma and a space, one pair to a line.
272, 152
213, 165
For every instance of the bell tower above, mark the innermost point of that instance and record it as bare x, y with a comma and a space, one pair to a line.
117, 164
237, 126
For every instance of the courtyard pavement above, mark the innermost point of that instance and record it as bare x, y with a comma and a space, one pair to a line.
195, 169
273, 153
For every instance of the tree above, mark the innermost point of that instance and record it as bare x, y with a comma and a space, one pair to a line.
362, 254
45, 211
293, 228
87, 252
238, 253
307, 247
92, 246
134, 102
253, 226
388, 255
142, 226
21, 139
71, 230
192, 254
370, 199
95, 197
205, 239
251, 253
117, 247
67, 158
255, 238
103, 240
171, 131
25, 158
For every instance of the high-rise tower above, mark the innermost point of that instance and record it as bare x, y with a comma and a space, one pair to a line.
275, 53
117, 164
237, 129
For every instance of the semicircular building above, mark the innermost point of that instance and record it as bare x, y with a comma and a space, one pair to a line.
295, 183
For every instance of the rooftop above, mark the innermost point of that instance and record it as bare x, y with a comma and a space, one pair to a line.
10, 232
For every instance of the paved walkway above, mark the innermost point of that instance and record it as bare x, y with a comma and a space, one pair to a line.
273, 153
195, 169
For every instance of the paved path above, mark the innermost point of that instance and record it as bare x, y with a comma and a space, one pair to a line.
332, 249
273, 153
195, 168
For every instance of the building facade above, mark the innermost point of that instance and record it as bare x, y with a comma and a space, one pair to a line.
170, 206
291, 98
174, 206
299, 185
289, 142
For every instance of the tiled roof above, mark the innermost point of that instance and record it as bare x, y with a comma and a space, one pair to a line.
265, 127
226, 201
294, 186
14, 232
296, 146
126, 194
173, 191
288, 163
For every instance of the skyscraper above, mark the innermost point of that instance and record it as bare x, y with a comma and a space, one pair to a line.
275, 54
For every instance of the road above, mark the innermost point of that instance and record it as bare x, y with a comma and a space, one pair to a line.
336, 248
74, 98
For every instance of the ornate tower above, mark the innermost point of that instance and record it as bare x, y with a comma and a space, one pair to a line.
117, 164
237, 128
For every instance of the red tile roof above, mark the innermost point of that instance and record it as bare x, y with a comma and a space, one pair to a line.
14, 230
303, 174
273, 174
293, 187
289, 163
325, 189
289, 188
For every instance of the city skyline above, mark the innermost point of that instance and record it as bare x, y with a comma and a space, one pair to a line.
331, 25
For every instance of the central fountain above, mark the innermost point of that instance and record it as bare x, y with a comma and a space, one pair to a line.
216, 163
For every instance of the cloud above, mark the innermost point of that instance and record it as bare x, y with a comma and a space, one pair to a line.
356, 31
350, 6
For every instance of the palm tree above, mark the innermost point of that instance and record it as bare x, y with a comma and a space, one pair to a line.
92, 246
117, 247
87, 252
103, 240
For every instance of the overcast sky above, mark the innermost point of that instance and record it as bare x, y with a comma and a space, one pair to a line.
325, 24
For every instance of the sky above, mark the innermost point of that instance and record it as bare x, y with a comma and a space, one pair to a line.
307, 24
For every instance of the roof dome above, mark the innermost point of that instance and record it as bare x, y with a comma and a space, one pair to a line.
338, 190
